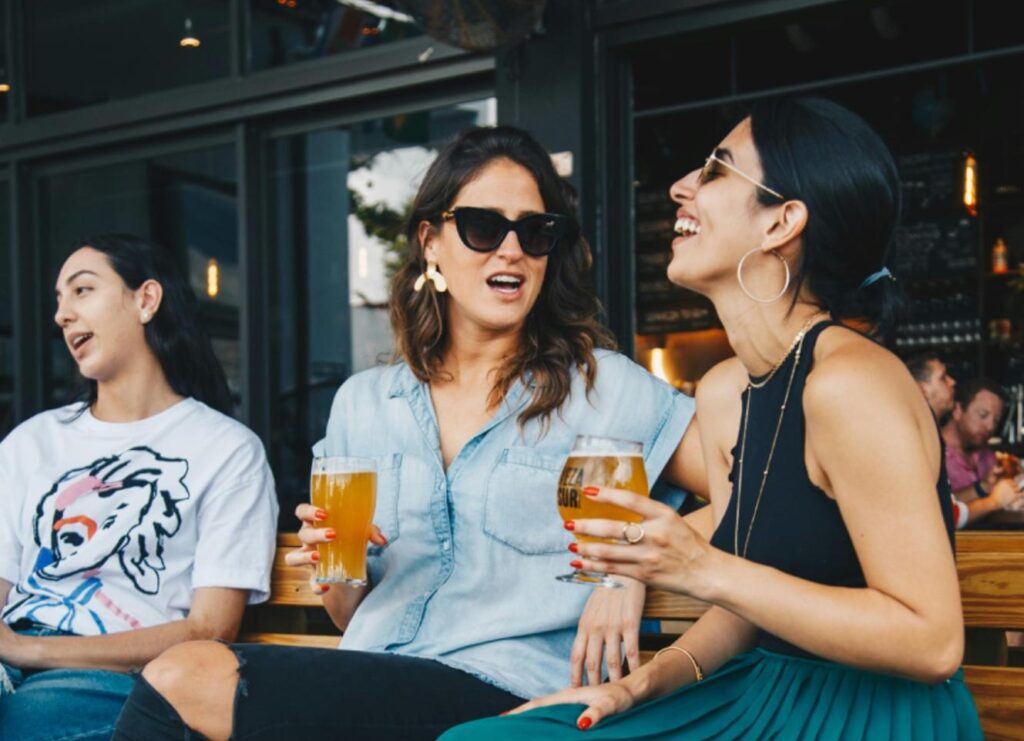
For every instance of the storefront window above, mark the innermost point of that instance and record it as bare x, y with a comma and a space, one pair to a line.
338, 200
185, 201
289, 31
6, 318
84, 53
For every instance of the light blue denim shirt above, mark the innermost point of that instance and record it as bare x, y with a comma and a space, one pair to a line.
468, 575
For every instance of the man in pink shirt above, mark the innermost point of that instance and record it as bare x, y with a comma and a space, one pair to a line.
974, 475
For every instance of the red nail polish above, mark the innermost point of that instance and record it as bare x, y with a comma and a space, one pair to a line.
314, 557
570, 525
330, 535
591, 491
577, 564
574, 548
385, 540
584, 723
319, 515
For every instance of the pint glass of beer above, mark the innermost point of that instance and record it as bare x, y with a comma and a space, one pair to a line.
346, 489
599, 461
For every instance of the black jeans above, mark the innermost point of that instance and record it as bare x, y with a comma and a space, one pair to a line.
313, 693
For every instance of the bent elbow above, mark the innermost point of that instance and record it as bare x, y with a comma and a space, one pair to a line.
942, 662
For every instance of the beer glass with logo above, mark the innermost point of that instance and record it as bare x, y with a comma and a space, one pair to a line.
346, 489
599, 461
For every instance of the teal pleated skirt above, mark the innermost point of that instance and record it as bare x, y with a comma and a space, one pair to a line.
761, 694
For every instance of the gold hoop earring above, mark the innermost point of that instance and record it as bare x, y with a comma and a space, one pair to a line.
431, 274
743, 287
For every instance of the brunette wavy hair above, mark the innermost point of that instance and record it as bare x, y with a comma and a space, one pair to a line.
562, 329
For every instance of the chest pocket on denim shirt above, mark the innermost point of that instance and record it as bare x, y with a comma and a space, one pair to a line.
520, 508
385, 514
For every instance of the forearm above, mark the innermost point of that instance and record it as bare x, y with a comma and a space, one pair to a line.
714, 639
341, 603
121, 651
861, 627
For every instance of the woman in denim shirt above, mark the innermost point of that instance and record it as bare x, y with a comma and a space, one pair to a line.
503, 363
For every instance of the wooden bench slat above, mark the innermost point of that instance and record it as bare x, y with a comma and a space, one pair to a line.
668, 605
999, 696
991, 570
291, 639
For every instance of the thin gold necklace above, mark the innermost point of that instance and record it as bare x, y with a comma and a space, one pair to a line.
798, 344
778, 364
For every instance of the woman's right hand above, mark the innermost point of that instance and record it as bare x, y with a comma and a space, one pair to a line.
310, 534
602, 701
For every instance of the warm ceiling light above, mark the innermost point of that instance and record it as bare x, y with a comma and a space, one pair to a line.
5, 87
212, 278
657, 364
187, 39
971, 184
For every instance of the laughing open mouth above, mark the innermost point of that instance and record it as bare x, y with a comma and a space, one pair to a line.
509, 283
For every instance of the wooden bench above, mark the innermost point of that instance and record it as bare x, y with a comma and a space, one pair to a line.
990, 565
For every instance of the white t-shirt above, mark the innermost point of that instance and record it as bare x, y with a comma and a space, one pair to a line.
106, 527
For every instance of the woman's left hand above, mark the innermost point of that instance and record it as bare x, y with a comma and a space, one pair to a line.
609, 625
669, 554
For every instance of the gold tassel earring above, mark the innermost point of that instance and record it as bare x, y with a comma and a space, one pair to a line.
431, 274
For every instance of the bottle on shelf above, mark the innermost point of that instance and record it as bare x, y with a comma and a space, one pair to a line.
1000, 257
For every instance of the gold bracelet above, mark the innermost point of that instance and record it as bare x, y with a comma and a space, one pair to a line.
696, 667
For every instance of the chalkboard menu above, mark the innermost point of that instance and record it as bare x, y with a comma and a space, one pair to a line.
930, 183
937, 236
661, 306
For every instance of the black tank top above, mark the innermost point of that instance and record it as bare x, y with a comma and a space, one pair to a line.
798, 528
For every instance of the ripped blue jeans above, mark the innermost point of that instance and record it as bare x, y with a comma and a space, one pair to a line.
60, 704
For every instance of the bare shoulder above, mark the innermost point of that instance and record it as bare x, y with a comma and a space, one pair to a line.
724, 383
851, 373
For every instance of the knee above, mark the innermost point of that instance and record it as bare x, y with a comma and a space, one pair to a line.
181, 672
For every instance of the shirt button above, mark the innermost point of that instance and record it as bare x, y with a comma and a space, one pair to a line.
445, 545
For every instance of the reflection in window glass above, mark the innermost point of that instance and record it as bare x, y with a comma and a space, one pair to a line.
6, 318
185, 201
82, 53
287, 31
339, 198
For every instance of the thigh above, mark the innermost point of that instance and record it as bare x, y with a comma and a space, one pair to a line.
354, 695
64, 703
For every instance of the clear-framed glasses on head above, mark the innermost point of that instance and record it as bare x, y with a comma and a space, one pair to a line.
714, 161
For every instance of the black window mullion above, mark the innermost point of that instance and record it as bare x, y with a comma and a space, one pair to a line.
253, 320
27, 305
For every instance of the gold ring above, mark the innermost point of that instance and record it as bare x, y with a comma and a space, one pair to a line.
625, 533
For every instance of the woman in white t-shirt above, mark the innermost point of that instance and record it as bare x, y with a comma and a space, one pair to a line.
137, 519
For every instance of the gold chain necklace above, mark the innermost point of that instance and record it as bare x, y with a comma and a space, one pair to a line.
798, 343
778, 364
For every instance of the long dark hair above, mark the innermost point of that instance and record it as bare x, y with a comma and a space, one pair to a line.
819, 152
562, 329
173, 334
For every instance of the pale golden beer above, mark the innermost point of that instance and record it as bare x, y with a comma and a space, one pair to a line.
614, 471
600, 461
346, 489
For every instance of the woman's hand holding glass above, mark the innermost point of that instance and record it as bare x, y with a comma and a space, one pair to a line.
663, 551
310, 535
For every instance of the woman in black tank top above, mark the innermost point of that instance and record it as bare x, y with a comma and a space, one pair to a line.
831, 569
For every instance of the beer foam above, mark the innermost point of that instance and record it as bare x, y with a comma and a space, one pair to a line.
588, 454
